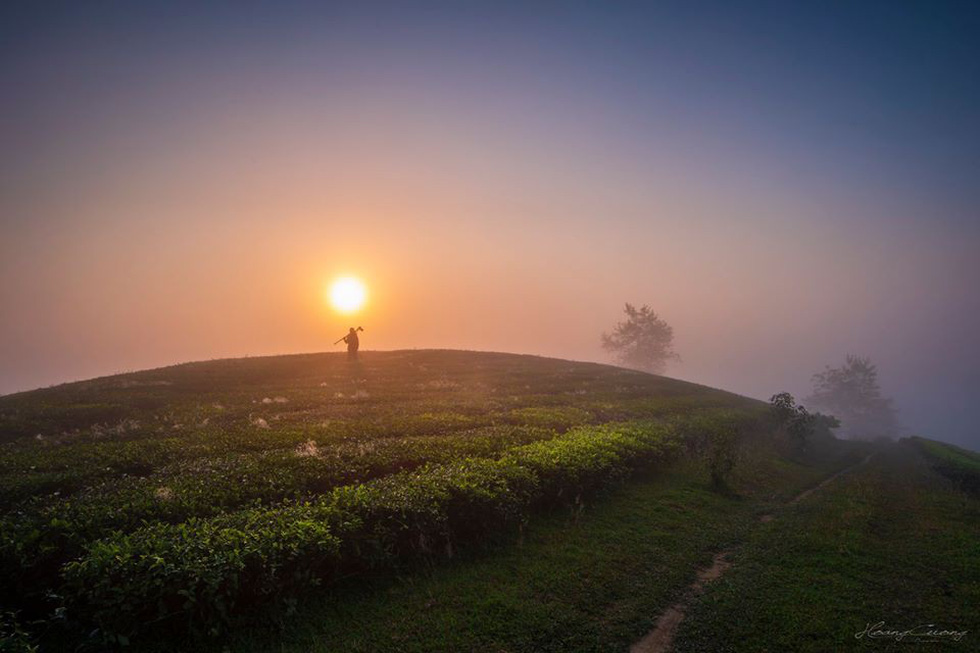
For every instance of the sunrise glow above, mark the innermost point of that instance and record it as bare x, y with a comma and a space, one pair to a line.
347, 294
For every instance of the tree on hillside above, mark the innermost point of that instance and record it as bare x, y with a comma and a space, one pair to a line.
643, 341
851, 393
798, 422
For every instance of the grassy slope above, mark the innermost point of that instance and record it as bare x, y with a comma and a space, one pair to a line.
891, 542
467, 382
969, 460
591, 582
594, 579
960, 466
84, 459
75, 436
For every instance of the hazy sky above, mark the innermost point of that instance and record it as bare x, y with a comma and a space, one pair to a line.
785, 184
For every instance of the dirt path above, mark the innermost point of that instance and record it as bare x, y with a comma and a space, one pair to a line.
803, 495
661, 638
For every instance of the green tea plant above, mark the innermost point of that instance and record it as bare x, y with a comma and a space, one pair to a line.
174, 500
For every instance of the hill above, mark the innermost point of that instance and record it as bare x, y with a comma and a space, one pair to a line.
186, 503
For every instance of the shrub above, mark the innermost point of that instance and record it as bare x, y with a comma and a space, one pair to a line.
203, 568
38, 541
199, 571
715, 437
797, 421
13, 637
723, 455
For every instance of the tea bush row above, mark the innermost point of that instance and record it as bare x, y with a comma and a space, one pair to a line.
43, 538
200, 572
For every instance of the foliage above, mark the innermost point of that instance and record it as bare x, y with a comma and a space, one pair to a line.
643, 341
190, 510
40, 539
14, 638
201, 570
590, 587
885, 539
960, 466
723, 456
783, 407
852, 394
715, 438
797, 421
824, 425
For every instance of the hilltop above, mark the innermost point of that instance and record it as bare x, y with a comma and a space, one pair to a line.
323, 385
211, 501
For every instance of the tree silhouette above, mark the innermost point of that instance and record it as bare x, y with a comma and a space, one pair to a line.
643, 341
798, 422
851, 393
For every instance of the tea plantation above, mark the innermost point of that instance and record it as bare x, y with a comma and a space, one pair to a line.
170, 503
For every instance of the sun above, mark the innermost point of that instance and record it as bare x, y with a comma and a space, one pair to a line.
347, 294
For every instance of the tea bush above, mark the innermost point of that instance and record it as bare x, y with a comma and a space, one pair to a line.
174, 499
199, 571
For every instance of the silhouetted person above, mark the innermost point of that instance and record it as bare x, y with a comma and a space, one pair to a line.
353, 343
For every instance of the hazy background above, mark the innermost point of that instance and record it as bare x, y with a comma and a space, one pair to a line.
783, 184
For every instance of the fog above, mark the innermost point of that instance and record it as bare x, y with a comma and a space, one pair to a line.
178, 185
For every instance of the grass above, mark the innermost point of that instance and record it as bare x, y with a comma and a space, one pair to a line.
208, 489
588, 584
890, 542
591, 581
959, 465
445, 501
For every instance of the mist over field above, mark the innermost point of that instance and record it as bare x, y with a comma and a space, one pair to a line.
784, 187
431, 326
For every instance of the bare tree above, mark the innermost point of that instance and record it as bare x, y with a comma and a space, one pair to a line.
643, 341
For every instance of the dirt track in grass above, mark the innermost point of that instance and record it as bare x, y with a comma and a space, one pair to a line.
661, 638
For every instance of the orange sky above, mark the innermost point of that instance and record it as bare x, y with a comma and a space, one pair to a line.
223, 245
184, 186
